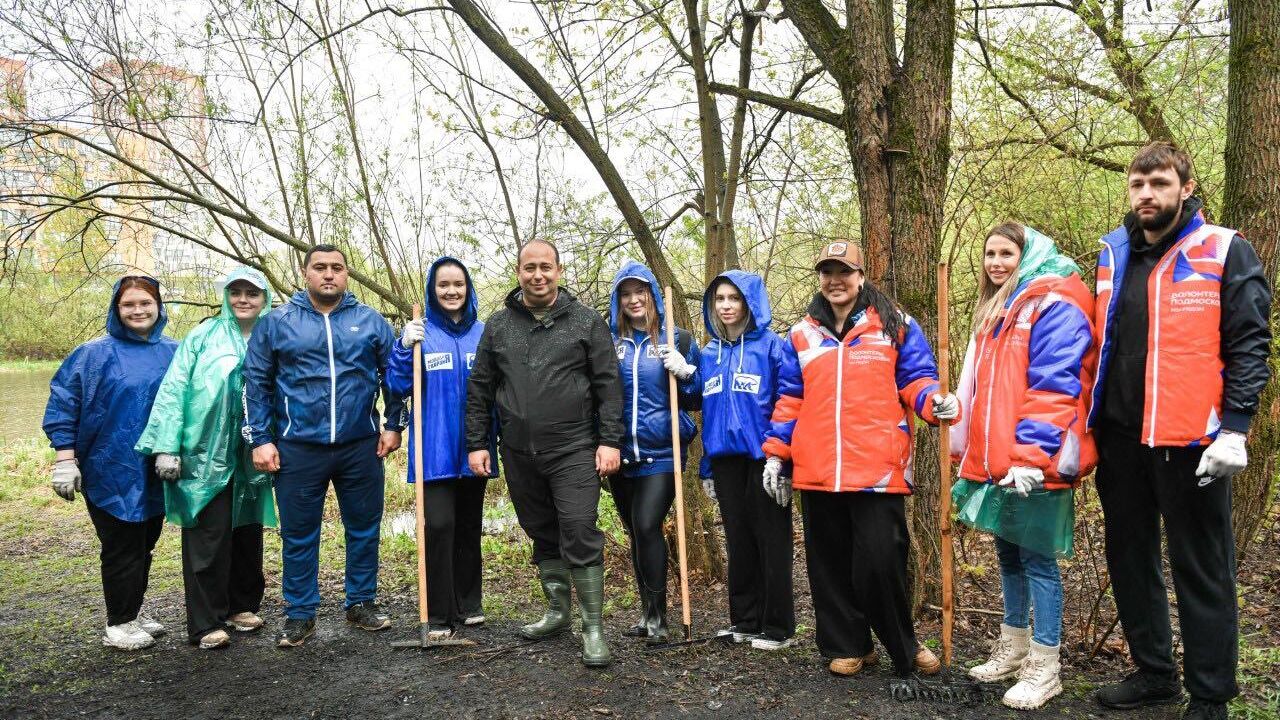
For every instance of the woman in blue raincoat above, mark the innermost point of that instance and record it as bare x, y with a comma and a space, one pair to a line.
453, 496
644, 488
99, 401
212, 490
739, 375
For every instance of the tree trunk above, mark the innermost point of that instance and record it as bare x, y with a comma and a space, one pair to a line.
1251, 201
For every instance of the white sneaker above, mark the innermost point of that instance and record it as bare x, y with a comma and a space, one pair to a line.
765, 643
127, 636
1006, 655
150, 626
1038, 680
732, 634
477, 619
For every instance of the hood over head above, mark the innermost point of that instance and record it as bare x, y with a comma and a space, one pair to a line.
633, 270
115, 326
255, 278
436, 315
751, 286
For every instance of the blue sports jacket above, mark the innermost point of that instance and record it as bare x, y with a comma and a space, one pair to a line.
740, 378
99, 402
448, 350
315, 378
646, 414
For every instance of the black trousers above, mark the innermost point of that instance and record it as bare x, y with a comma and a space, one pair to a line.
643, 503
856, 544
1139, 487
126, 560
453, 514
555, 496
221, 567
757, 533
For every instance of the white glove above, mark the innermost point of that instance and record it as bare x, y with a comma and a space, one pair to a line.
414, 332
168, 467
776, 486
709, 487
1225, 457
675, 364
66, 479
946, 407
1023, 480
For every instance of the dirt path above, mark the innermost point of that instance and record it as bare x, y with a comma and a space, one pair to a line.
344, 672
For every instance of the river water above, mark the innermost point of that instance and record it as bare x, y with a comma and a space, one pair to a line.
25, 394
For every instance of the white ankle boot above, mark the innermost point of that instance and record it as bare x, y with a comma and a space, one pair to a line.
1038, 679
1006, 655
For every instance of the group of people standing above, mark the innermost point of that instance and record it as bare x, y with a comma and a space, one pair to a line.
1056, 380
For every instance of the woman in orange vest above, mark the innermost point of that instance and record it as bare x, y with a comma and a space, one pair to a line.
1022, 446
855, 371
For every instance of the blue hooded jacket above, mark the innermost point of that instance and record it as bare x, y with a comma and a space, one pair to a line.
99, 402
448, 350
646, 414
739, 379
314, 378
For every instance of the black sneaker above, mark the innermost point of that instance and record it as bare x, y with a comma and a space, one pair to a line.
1140, 689
1205, 710
295, 632
368, 616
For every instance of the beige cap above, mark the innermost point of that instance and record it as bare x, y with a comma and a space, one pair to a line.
841, 251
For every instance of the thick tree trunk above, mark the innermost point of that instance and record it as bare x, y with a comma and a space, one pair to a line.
1251, 204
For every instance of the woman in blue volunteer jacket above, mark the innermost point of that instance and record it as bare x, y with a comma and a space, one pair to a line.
453, 496
739, 388
99, 402
644, 488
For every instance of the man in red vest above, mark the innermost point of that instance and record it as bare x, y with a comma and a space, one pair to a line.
1182, 312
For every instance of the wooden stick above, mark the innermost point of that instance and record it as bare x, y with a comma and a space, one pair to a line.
679, 474
944, 468
419, 505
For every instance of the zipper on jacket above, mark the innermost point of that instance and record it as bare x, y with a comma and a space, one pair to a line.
839, 404
288, 420
1165, 262
333, 385
635, 396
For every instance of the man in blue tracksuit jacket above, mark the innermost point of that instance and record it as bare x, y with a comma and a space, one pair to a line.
312, 374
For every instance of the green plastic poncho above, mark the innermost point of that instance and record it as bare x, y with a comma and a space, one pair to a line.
1044, 521
197, 416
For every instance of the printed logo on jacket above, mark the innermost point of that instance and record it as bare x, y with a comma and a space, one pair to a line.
711, 386
745, 383
437, 361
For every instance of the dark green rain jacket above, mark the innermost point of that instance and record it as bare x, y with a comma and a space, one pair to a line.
197, 416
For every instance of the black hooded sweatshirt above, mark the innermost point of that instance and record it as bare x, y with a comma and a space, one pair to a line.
1245, 333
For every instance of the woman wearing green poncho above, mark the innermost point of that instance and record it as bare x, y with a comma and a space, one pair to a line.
1022, 445
212, 490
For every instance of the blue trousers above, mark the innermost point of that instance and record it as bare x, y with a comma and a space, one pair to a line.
301, 485
1031, 579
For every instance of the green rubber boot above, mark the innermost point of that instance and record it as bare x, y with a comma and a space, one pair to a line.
589, 582
554, 576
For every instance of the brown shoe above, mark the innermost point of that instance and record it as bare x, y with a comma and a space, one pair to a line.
244, 622
852, 666
926, 662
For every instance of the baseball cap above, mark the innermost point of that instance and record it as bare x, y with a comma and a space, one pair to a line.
843, 252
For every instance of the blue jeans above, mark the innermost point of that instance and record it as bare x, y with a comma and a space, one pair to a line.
1030, 579
301, 485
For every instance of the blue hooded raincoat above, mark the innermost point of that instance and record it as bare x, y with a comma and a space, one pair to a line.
740, 378
99, 402
646, 415
448, 350
315, 378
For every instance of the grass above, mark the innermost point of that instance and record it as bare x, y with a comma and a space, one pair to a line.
1259, 668
23, 365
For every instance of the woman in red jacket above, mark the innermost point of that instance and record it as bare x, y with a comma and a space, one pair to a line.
855, 371
1022, 445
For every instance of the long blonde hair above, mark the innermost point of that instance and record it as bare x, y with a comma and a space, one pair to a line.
992, 297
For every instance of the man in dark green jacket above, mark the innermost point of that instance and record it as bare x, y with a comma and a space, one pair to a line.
547, 363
